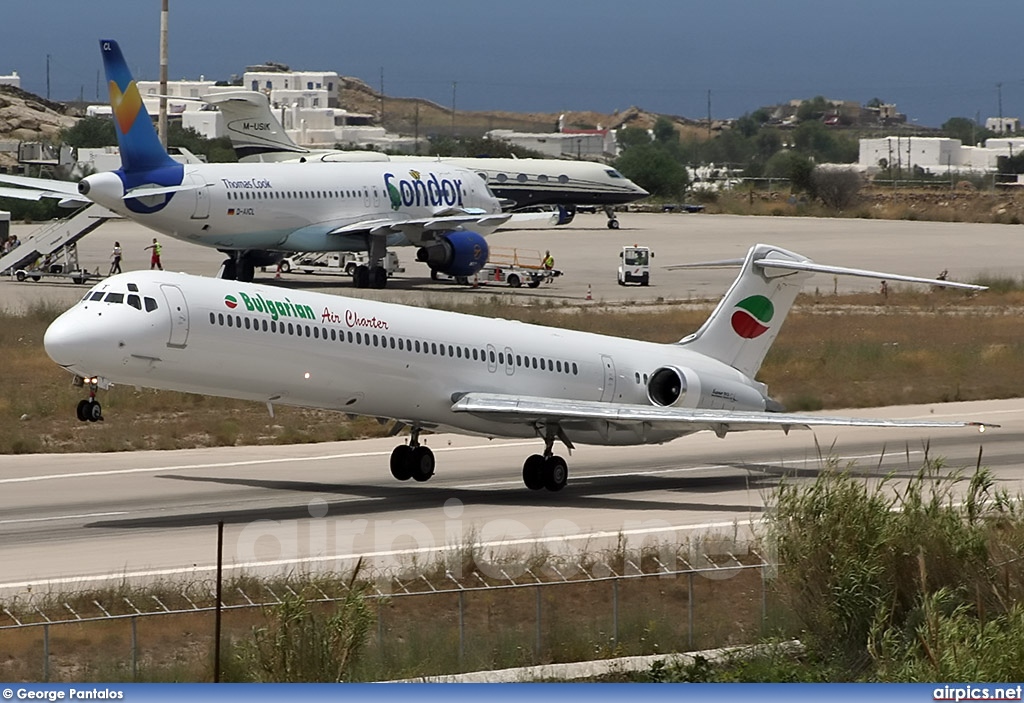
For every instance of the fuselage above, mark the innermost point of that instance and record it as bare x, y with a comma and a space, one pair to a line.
180, 332
528, 181
294, 207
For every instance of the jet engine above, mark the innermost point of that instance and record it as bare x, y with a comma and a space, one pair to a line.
457, 254
675, 386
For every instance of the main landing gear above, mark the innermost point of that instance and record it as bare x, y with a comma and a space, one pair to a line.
89, 409
370, 277
238, 267
412, 460
545, 471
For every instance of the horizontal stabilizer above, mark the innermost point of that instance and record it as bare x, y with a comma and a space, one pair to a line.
146, 191
786, 265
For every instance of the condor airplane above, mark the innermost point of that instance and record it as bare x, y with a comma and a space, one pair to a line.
255, 212
257, 135
431, 370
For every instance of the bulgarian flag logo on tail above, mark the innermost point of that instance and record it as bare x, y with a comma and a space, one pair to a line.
232, 302
752, 316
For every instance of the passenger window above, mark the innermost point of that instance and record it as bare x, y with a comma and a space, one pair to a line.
150, 304
575, 371
501, 358
264, 325
451, 350
417, 346
291, 330
247, 323
542, 365
231, 322
213, 319
316, 332
558, 366
474, 355
135, 301
433, 348
492, 358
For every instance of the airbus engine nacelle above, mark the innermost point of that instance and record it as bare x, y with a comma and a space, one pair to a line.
680, 387
456, 254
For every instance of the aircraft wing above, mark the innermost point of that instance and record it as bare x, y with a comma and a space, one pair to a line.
421, 230
593, 414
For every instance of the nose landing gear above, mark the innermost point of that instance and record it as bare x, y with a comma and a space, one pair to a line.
89, 409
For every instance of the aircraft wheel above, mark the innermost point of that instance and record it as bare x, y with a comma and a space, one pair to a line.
401, 462
82, 410
378, 277
246, 270
556, 473
93, 411
533, 472
361, 278
227, 270
613, 224
422, 463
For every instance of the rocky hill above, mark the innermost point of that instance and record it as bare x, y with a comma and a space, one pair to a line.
25, 117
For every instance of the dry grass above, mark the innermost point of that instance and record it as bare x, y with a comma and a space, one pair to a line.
847, 351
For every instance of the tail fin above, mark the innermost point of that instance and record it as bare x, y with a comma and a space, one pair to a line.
255, 133
747, 320
141, 150
743, 326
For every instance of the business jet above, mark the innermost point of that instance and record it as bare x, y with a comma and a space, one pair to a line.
257, 135
432, 370
257, 212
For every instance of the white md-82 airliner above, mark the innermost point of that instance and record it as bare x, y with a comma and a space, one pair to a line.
257, 212
432, 370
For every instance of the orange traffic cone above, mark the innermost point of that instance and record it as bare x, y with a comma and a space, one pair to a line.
589, 296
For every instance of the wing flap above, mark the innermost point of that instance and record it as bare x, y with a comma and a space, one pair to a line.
529, 410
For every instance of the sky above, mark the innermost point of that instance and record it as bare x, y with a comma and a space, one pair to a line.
935, 59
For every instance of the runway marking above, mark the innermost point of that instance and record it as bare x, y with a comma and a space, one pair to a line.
194, 570
248, 462
61, 517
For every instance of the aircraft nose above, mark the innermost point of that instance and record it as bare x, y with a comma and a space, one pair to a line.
62, 343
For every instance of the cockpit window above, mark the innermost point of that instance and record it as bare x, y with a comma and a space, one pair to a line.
613, 173
133, 288
135, 301
150, 304
98, 295
114, 298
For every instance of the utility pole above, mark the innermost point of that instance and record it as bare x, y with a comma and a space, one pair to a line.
454, 84
416, 127
999, 92
162, 118
382, 96
709, 114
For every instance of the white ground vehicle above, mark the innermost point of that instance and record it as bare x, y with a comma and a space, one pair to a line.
635, 266
334, 262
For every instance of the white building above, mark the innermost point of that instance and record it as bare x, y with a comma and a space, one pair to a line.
1003, 125
13, 80
936, 155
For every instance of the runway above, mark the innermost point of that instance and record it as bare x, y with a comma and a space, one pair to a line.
73, 520
69, 520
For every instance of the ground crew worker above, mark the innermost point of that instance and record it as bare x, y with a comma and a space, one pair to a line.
154, 259
115, 259
549, 261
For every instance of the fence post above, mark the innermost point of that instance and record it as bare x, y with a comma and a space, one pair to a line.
536, 645
46, 652
689, 607
462, 628
615, 614
135, 648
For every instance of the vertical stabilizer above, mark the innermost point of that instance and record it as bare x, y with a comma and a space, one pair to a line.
141, 150
742, 328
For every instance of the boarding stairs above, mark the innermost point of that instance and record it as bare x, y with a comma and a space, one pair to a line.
55, 239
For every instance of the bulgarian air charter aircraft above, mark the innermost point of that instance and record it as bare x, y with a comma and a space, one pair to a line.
432, 370
257, 212
257, 135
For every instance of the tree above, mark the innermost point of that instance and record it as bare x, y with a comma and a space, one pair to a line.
665, 131
632, 136
793, 166
836, 188
654, 168
965, 130
90, 132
